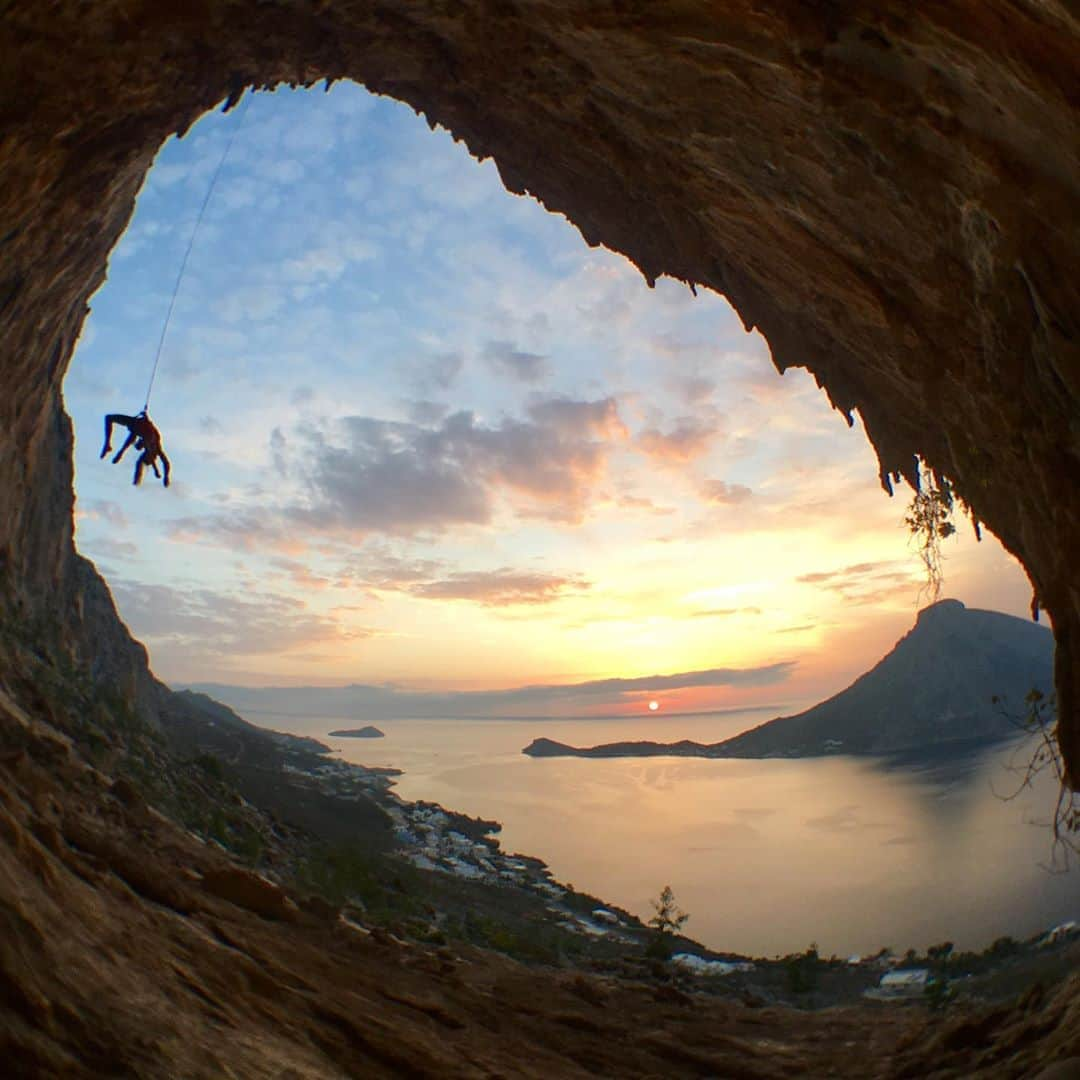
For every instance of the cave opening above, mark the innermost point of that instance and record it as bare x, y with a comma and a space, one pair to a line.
922, 163
406, 409
399, 398
937, 305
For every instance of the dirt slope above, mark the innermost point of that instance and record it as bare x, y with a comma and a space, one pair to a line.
130, 948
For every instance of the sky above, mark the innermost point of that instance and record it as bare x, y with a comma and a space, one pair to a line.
424, 439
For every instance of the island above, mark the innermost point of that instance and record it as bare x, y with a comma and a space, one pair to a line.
550, 748
958, 681
369, 732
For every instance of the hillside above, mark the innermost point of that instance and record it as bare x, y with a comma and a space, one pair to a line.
936, 686
934, 691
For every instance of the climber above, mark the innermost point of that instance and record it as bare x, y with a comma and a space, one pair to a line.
146, 438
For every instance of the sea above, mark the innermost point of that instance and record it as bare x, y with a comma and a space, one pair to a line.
767, 856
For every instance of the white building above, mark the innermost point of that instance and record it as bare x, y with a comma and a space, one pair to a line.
698, 965
900, 985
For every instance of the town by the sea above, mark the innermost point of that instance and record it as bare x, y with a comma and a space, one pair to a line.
767, 856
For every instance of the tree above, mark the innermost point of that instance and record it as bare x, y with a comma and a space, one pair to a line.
668, 921
939, 992
802, 970
940, 954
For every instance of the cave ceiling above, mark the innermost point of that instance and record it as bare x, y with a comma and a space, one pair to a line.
887, 191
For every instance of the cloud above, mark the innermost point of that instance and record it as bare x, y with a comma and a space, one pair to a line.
693, 389
102, 510
504, 358
245, 530
404, 478
394, 478
592, 698
689, 438
379, 568
637, 502
438, 372
867, 582
327, 262
112, 549
286, 171
381, 571
425, 412
720, 491
723, 613
200, 622
278, 450
249, 303
499, 588
300, 574
765, 675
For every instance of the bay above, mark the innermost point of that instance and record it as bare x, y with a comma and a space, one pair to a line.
767, 856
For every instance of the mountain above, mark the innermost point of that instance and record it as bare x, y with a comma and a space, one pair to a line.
935, 689
685, 748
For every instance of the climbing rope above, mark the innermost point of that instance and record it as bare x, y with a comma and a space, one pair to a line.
190, 245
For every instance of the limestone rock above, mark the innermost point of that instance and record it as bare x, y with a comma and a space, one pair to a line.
252, 891
887, 191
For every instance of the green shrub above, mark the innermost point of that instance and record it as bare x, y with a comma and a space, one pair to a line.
801, 970
211, 765
938, 994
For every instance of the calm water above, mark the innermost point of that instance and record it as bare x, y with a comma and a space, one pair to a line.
767, 856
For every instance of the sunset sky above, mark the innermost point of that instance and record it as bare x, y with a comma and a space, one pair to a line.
424, 438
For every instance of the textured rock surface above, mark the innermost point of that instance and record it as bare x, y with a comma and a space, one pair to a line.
888, 191
116, 959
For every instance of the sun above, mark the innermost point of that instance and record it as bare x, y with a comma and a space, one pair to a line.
653, 706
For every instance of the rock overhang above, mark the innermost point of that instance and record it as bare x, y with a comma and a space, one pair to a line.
889, 194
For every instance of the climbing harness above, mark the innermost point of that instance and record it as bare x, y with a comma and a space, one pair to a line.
191, 243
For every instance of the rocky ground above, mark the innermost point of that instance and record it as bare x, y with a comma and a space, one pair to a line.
136, 942
132, 948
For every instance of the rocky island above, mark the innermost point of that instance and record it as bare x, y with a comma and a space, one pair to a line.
368, 732
958, 679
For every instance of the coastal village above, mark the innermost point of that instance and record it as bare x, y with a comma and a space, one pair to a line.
434, 839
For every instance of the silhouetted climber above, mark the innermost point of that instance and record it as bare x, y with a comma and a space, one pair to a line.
146, 438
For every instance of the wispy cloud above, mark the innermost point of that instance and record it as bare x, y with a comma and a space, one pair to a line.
592, 697
724, 613
437, 373
499, 588
198, 624
504, 358
867, 582
253, 530
112, 513
721, 491
688, 438
379, 570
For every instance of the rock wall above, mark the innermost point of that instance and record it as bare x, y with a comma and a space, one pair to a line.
887, 190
